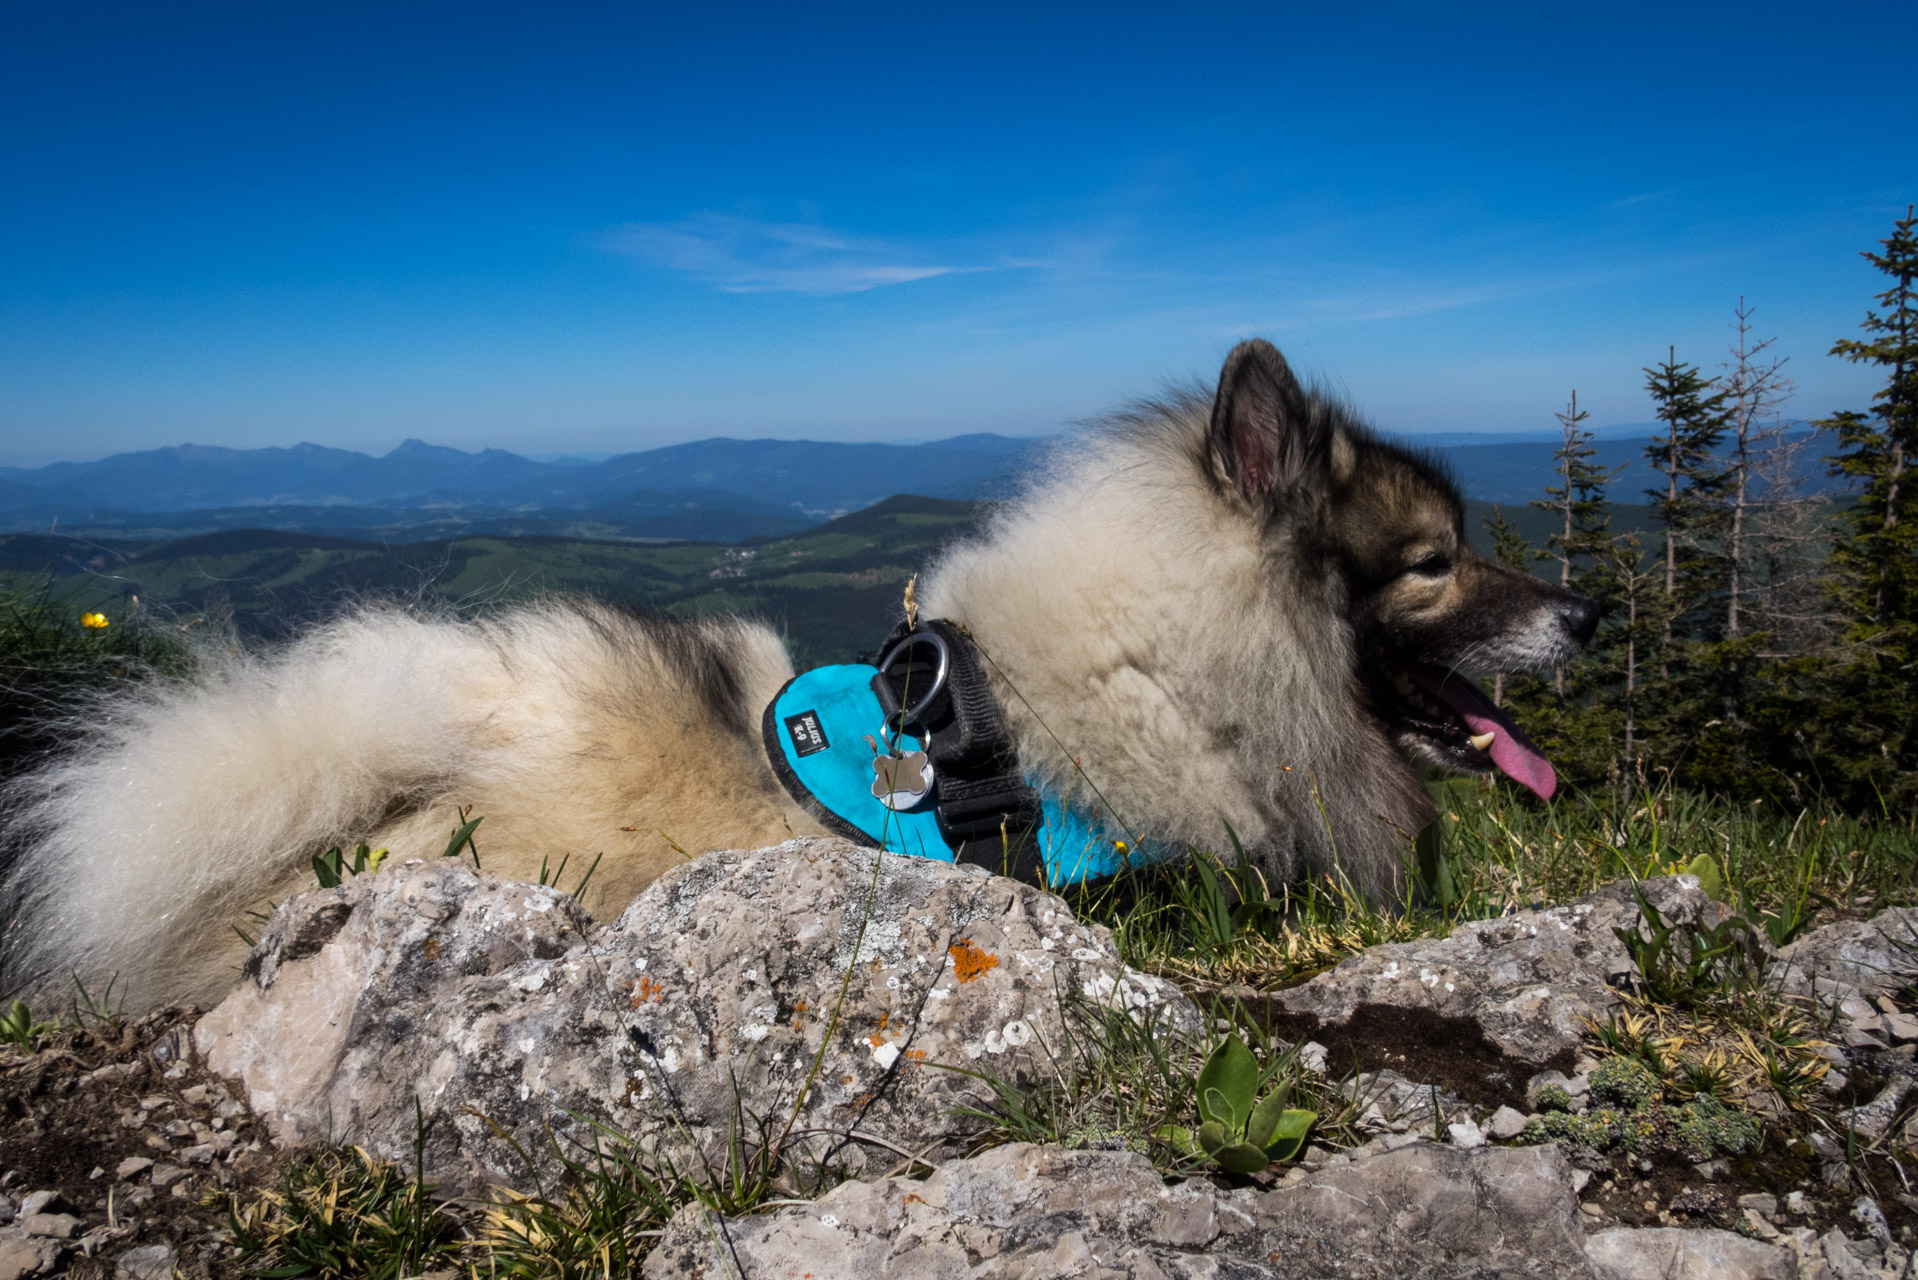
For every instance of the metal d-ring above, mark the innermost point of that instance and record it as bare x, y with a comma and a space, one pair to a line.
908, 715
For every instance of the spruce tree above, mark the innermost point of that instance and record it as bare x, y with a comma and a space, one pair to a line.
1861, 717
1579, 501
1691, 408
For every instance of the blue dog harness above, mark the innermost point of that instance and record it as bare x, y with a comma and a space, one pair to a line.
900, 755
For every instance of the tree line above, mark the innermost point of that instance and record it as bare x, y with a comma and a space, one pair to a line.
1759, 639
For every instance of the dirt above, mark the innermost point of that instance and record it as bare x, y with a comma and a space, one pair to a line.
1419, 1044
1455, 1054
71, 1112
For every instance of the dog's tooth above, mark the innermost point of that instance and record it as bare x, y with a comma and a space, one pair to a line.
1483, 741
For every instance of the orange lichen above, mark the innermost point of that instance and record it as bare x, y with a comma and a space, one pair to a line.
646, 991
430, 948
968, 961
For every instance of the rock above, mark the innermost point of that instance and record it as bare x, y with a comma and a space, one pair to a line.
53, 1226
1843, 1263
39, 1202
1795, 1202
1025, 1211
1390, 1101
1760, 1202
1902, 1026
167, 1174
1506, 1123
1866, 1213
1852, 961
707, 1003
1312, 1056
1465, 1134
1874, 1119
1530, 979
152, 1262
1654, 1253
22, 1257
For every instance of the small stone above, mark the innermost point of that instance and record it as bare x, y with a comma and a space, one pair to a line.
201, 1154
1581, 1178
1591, 1210
1506, 1123
1761, 1203
20, 1258
1579, 1085
1394, 1141
151, 1262
197, 1093
1902, 1026
96, 1174
1713, 1170
38, 1202
1834, 1082
132, 1167
1795, 1202
1868, 1215
53, 1226
166, 1175
1466, 1134
1760, 1225
1312, 1057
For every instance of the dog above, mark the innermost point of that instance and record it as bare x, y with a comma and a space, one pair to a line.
1239, 607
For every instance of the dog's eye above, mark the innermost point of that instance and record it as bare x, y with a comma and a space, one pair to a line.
1431, 566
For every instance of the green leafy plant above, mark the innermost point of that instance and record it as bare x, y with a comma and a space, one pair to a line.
344, 1213
1433, 881
1240, 1131
1678, 962
332, 867
20, 1028
462, 840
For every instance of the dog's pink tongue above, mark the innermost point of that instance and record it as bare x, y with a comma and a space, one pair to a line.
1511, 750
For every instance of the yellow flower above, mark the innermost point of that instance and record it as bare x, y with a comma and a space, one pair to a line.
94, 621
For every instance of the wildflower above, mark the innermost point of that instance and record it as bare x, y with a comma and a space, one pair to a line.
1121, 846
94, 621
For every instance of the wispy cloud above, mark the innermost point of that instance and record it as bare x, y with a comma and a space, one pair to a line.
742, 255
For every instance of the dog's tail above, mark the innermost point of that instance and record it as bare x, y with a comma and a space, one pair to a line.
192, 803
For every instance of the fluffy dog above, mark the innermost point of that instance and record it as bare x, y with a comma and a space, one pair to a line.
1240, 607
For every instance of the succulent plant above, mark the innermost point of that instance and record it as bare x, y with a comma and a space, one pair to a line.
1239, 1131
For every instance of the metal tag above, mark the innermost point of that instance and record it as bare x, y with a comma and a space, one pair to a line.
901, 782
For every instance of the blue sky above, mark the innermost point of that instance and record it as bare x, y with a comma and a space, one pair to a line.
569, 227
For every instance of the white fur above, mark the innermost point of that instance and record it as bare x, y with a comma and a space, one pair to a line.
193, 804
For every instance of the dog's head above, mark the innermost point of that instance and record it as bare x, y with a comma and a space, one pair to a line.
1388, 526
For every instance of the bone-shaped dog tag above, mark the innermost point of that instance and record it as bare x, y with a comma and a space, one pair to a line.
900, 782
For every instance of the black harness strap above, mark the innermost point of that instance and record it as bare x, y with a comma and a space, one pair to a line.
986, 812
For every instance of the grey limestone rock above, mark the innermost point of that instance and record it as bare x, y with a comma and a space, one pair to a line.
1040, 1212
1530, 979
501, 1008
1850, 965
1655, 1253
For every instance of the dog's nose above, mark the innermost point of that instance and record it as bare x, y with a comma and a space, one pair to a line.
1580, 616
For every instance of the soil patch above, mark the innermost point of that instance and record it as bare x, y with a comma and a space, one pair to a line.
87, 1101
1419, 1044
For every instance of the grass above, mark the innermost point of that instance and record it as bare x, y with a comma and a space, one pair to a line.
1214, 923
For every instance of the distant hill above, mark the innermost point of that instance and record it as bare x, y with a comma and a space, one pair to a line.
718, 490
833, 588
721, 488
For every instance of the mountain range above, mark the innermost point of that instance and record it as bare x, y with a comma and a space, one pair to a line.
710, 490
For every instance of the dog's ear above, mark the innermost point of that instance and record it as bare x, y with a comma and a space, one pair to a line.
1266, 439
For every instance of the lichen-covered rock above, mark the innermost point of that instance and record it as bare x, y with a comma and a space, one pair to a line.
1531, 979
1848, 966
813, 989
1036, 1212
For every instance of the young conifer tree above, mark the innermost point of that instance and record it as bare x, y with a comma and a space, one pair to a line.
1691, 409
1579, 501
